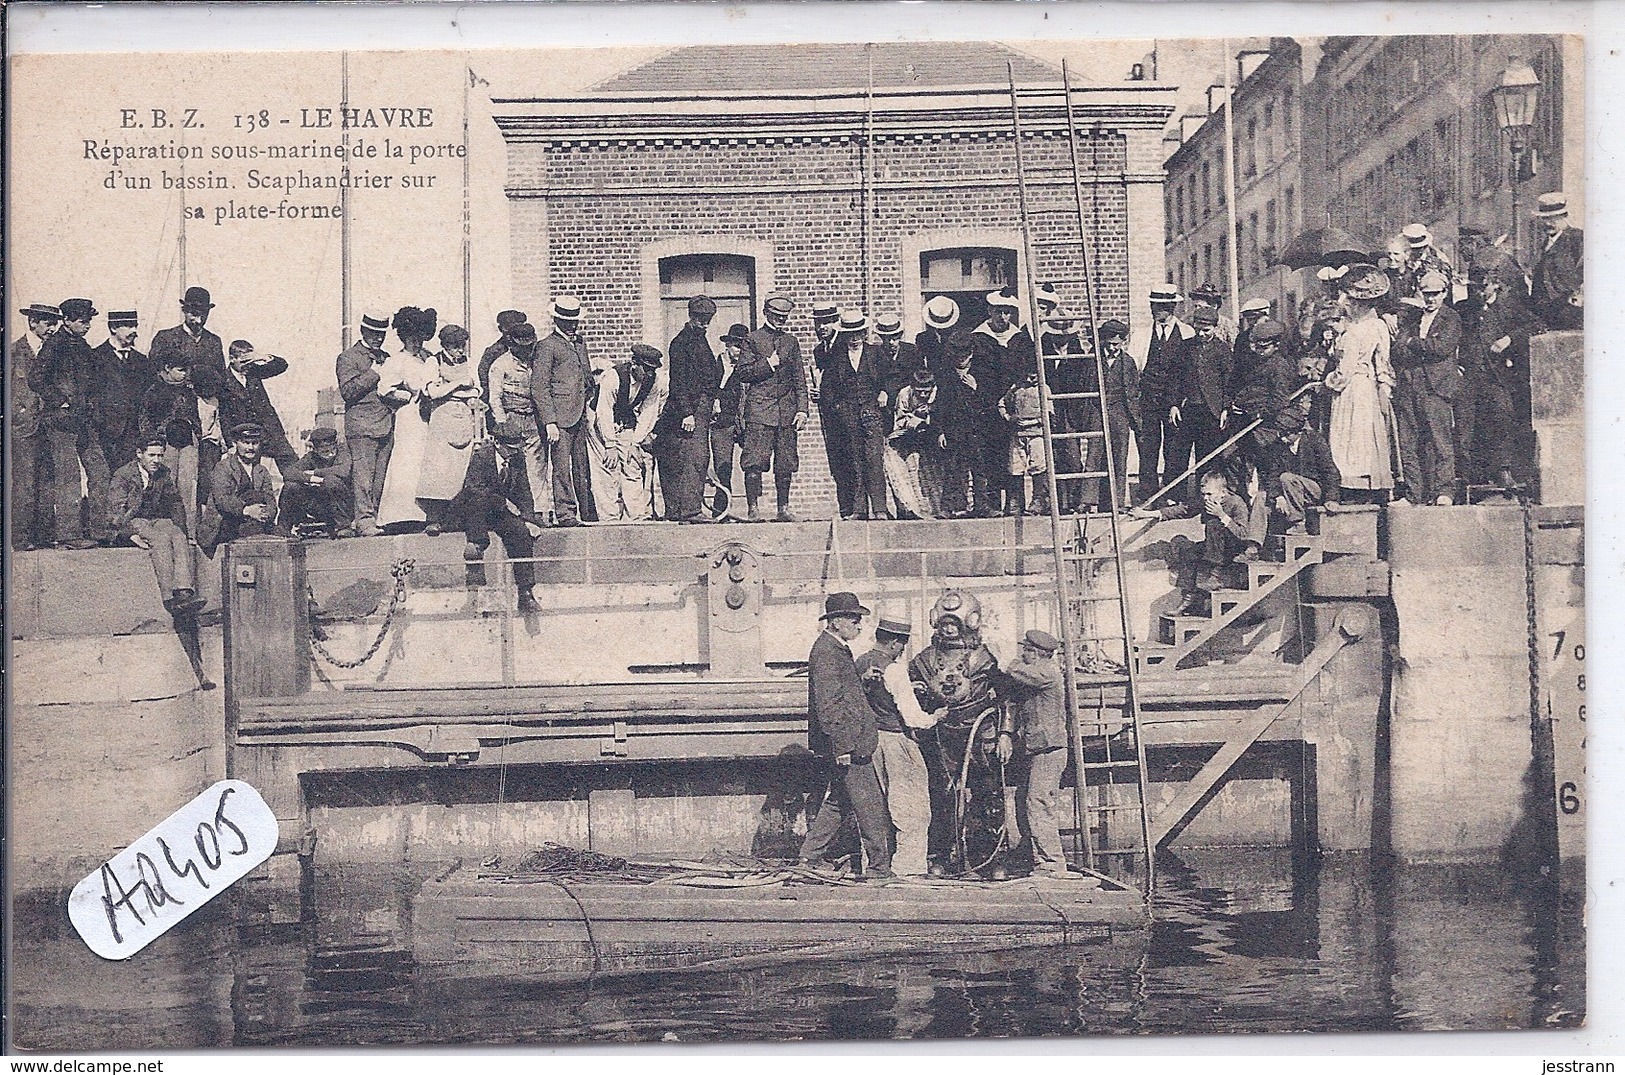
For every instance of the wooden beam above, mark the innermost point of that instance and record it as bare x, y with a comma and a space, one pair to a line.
1172, 817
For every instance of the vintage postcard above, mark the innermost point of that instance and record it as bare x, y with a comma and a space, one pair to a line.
743, 540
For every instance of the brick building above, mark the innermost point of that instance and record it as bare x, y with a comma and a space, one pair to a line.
736, 171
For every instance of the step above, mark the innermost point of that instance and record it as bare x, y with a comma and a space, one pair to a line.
1226, 601
1178, 629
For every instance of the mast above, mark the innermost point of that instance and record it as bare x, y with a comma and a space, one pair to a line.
468, 302
345, 298
1230, 187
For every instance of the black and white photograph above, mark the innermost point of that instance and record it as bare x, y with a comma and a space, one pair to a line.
802, 540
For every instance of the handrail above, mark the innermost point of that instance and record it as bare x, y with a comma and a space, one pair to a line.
1220, 450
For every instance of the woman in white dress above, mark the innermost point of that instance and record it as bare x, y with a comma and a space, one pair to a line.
1363, 384
455, 413
401, 381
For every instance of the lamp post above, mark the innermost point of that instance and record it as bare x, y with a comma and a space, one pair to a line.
1515, 98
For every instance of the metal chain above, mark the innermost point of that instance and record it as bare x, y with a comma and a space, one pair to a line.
400, 568
1531, 611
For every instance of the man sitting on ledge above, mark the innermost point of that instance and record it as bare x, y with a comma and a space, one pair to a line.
146, 510
496, 497
1227, 540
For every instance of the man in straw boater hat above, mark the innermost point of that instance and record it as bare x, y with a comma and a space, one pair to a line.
369, 422
1421, 256
1559, 281
897, 362
940, 315
29, 443
122, 377
826, 319
772, 406
559, 382
190, 340
841, 730
851, 386
1165, 361
899, 766
1426, 363
64, 376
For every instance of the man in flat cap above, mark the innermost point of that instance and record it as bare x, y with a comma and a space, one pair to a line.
1033, 730
190, 340
122, 378
147, 512
841, 730
1559, 283
899, 765
1426, 361
507, 321
242, 502
30, 444
247, 370
369, 422
1122, 392
64, 376
512, 400
1208, 295
559, 383
685, 424
1260, 384
316, 490
772, 406
631, 396
496, 498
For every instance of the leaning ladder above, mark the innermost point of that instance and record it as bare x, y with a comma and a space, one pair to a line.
1109, 770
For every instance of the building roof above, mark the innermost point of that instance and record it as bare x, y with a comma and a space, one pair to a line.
745, 68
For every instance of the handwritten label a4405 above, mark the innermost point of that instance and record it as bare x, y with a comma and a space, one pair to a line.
188, 859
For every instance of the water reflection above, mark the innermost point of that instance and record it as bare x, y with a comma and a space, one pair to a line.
1243, 941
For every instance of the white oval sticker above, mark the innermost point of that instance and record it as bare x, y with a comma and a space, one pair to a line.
188, 859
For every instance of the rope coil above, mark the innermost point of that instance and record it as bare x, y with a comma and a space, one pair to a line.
401, 569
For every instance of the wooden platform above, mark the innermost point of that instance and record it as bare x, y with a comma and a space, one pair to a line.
467, 926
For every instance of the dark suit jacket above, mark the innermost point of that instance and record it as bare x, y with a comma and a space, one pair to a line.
1432, 361
231, 490
931, 346
486, 494
1508, 316
206, 349
559, 381
1165, 371
1312, 460
1560, 272
117, 393
365, 415
896, 371
1207, 376
1006, 360
27, 408
170, 411
1261, 386
846, 387
695, 378
839, 718
63, 374
251, 402
128, 501
771, 396
1123, 388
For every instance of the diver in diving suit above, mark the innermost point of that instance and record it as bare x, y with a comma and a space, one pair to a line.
959, 672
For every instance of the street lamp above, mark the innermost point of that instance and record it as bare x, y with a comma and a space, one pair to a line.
1515, 98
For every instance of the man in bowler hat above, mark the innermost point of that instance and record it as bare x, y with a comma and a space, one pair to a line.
841, 730
369, 422
190, 340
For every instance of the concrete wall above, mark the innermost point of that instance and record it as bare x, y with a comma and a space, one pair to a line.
1460, 719
1557, 406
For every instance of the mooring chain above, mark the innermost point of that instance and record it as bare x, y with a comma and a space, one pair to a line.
400, 568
